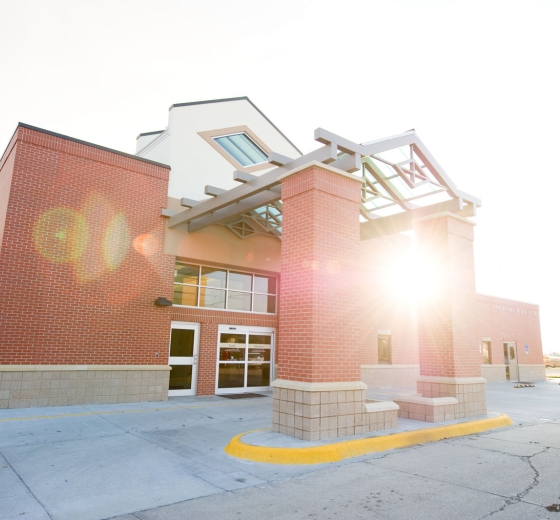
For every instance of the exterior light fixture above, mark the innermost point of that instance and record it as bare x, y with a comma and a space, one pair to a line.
162, 302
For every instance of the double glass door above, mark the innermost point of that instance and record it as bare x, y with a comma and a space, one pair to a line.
245, 359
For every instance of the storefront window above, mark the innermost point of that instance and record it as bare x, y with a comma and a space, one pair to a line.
210, 287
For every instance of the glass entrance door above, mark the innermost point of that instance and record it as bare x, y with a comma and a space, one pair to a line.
183, 358
245, 359
510, 360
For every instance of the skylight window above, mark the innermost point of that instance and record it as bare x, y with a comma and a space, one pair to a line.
242, 148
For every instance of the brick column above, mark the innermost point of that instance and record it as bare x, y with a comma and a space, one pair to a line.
447, 328
319, 393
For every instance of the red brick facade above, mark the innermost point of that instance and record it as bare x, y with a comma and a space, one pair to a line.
6, 172
448, 342
503, 320
81, 261
319, 337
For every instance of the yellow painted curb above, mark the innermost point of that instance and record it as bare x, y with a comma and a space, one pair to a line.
354, 448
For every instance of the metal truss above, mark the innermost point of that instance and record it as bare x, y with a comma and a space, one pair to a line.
266, 220
402, 181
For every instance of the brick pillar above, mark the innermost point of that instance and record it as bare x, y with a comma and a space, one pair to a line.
318, 393
447, 328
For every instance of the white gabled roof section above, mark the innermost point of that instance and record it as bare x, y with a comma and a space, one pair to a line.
189, 144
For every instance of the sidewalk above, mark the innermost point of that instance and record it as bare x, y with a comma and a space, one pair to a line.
101, 461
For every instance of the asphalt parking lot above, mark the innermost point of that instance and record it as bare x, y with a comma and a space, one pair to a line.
166, 461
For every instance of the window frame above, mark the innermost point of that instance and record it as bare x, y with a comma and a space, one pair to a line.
265, 161
226, 289
209, 136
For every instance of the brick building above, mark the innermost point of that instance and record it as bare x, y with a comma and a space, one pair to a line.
219, 259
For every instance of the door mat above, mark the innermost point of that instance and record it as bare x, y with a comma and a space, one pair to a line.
241, 396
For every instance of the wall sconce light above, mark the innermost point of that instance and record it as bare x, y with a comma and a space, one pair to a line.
162, 302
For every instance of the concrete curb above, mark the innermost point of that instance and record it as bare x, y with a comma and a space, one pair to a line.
354, 448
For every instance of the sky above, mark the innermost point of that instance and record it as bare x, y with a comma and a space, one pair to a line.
477, 80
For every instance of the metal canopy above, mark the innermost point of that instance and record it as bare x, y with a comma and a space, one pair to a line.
402, 182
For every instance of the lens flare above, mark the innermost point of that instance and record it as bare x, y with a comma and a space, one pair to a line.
61, 235
146, 244
116, 241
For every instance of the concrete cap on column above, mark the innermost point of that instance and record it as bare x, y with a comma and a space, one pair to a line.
323, 166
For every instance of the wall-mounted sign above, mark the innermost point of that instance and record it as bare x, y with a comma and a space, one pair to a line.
512, 309
526, 348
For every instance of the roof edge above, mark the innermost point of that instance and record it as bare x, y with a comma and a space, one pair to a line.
207, 101
241, 98
149, 133
93, 145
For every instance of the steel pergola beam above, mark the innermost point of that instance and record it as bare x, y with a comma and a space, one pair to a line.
389, 188
254, 201
257, 191
238, 208
252, 187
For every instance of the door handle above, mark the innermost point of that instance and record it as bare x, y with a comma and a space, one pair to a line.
195, 360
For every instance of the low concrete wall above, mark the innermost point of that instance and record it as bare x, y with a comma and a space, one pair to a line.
314, 411
22, 386
493, 373
390, 376
497, 373
532, 373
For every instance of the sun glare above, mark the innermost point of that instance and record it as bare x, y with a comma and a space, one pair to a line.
414, 277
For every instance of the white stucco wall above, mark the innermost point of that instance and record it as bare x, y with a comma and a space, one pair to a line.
195, 163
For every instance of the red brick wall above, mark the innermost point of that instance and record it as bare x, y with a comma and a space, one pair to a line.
319, 336
511, 321
81, 261
209, 320
6, 171
447, 325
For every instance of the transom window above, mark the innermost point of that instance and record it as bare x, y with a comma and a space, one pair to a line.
242, 148
201, 286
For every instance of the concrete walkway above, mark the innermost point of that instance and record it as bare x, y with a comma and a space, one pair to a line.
166, 461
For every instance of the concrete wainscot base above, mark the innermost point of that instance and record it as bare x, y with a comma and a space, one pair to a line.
22, 386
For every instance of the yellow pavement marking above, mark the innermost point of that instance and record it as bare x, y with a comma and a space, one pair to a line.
175, 407
354, 448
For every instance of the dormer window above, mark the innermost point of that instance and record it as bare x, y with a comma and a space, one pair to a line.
242, 148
